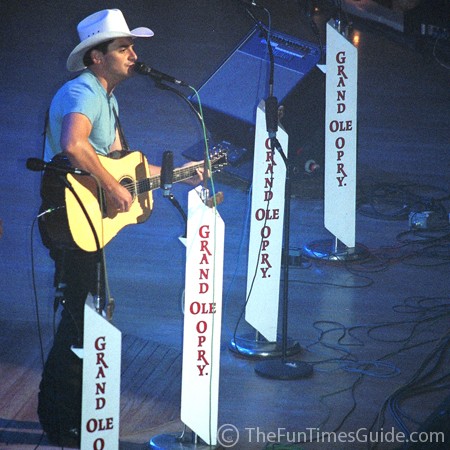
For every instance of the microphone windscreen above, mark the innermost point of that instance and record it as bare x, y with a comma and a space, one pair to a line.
271, 114
140, 68
167, 169
35, 164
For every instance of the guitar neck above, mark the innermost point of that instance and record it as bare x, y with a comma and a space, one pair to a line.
179, 174
184, 173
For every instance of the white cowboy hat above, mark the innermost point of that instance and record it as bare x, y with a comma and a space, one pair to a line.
100, 27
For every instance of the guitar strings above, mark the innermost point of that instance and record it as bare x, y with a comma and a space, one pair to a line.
144, 185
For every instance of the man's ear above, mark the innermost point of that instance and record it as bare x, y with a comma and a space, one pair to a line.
96, 56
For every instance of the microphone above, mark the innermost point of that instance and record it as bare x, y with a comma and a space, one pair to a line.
272, 115
142, 69
38, 165
167, 173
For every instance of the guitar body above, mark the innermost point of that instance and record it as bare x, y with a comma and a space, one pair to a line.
74, 213
68, 226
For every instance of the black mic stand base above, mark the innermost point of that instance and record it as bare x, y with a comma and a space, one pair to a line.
257, 347
174, 441
284, 370
334, 250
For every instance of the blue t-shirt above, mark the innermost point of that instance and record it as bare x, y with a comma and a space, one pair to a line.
85, 95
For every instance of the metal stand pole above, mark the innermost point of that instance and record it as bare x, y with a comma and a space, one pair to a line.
282, 368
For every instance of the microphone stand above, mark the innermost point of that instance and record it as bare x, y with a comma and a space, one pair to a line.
280, 369
254, 346
185, 440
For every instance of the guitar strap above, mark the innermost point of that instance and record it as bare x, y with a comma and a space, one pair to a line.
123, 141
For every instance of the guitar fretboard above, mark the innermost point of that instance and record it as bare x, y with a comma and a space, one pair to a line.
154, 182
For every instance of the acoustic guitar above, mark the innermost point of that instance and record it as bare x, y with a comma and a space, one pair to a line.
74, 212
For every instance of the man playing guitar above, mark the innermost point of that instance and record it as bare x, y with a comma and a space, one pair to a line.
83, 124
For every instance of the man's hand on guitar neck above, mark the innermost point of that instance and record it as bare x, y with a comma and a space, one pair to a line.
199, 177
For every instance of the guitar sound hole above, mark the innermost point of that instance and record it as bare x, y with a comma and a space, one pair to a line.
129, 184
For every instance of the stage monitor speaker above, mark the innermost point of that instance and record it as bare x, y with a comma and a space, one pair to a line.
230, 96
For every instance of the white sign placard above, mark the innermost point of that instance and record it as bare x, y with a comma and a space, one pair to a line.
340, 137
266, 230
102, 347
202, 318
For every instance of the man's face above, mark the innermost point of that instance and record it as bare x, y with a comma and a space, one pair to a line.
119, 60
